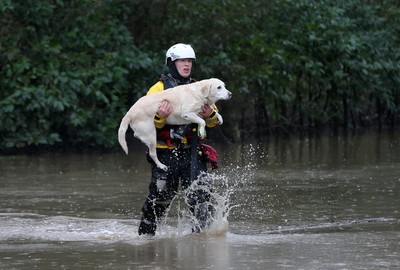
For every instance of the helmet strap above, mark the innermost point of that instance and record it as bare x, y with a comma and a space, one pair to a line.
175, 74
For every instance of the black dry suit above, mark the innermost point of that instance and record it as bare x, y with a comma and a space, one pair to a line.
179, 158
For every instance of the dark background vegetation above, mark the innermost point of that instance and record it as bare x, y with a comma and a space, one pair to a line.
69, 70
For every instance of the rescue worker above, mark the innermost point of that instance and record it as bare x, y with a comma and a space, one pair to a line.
174, 146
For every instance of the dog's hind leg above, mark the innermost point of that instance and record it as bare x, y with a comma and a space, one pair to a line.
153, 155
147, 134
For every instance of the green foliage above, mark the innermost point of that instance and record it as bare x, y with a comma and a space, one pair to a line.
71, 69
64, 72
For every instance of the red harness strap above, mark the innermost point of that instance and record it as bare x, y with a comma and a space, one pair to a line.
164, 134
209, 152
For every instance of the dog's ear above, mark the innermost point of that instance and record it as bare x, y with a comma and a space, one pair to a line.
205, 90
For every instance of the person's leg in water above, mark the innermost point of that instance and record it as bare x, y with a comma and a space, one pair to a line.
162, 189
164, 186
198, 194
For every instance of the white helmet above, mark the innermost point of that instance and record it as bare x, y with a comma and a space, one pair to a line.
180, 51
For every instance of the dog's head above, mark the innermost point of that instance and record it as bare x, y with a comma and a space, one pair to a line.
216, 91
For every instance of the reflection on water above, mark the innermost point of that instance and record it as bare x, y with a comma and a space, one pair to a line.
318, 203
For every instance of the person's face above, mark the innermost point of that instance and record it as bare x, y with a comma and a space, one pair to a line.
184, 67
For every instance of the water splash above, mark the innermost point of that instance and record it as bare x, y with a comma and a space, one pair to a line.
221, 186
212, 214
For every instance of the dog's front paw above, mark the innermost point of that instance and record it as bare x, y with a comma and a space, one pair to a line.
220, 120
202, 132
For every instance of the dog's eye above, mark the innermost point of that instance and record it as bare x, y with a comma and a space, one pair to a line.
219, 87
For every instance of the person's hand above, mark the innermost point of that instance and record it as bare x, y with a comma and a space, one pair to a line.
206, 110
165, 109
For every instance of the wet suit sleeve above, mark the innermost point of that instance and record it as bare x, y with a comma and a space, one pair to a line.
212, 120
158, 87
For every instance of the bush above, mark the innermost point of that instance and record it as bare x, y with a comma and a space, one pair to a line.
65, 72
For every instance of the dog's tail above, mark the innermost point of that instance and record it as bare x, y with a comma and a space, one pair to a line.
123, 127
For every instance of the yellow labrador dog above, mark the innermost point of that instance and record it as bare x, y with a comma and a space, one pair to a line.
186, 101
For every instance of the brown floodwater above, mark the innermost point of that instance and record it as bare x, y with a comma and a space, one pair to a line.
288, 203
